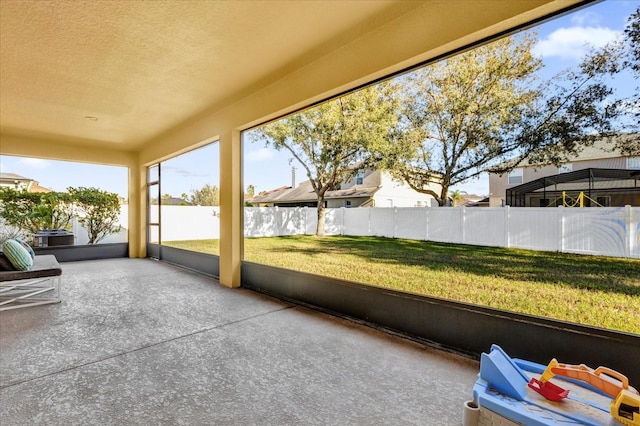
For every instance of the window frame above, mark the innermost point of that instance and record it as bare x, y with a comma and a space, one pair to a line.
565, 168
516, 173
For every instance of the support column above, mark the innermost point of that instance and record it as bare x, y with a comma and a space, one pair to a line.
231, 209
137, 221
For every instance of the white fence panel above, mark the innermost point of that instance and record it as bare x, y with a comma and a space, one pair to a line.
411, 223
634, 231
180, 223
260, 222
334, 221
312, 221
534, 228
290, 221
357, 221
382, 222
485, 226
594, 231
444, 225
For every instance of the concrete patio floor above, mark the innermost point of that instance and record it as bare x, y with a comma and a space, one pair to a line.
136, 341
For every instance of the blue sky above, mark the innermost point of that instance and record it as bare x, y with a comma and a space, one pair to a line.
562, 42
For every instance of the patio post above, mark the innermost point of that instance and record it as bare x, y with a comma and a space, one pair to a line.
231, 211
137, 220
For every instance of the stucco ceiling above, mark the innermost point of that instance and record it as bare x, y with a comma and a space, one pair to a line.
122, 72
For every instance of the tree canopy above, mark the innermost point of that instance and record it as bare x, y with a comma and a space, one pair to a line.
336, 139
208, 195
463, 113
36, 211
478, 111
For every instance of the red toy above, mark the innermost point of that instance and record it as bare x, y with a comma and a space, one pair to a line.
548, 390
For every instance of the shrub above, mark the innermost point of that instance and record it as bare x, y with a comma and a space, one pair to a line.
33, 211
97, 211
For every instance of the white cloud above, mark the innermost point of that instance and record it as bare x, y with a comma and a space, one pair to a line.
259, 155
33, 163
587, 17
184, 172
574, 42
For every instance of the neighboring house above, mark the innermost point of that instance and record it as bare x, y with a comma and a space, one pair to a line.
599, 172
12, 180
472, 200
372, 188
175, 201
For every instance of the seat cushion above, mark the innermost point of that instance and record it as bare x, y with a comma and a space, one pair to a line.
44, 265
5, 263
17, 255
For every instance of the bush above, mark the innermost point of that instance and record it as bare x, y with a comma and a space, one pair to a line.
34, 211
29, 212
97, 211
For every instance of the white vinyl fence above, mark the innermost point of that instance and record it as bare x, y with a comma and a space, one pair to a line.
609, 231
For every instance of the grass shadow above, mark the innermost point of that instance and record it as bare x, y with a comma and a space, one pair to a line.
612, 275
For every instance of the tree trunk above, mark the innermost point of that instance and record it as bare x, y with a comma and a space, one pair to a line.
321, 216
442, 201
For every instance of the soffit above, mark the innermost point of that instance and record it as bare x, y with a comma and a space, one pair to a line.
142, 68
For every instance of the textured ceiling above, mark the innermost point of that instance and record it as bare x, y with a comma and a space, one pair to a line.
119, 73
143, 67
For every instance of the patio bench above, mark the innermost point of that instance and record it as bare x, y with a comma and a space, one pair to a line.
21, 289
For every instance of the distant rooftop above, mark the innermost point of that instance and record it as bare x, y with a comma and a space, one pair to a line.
28, 183
13, 176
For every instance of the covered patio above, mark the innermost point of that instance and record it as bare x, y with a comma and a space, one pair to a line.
136, 341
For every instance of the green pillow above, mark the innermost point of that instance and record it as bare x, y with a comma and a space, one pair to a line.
27, 247
17, 255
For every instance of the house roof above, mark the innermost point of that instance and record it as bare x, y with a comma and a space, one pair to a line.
305, 193
13, 176
175, 201
600, 149
35, 187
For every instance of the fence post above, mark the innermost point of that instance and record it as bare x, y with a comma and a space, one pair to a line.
426, 223
342, 221
395, 222
628, 238
462, 214
507, 229
560, 229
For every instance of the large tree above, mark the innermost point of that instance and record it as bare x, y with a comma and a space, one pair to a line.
336, 139
459, 114
631, 51
470, 113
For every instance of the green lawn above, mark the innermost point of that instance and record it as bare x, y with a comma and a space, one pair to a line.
599, 291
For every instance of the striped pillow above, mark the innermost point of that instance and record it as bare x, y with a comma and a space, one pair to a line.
27, 247
17, 255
